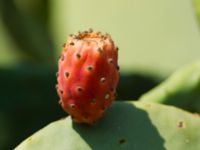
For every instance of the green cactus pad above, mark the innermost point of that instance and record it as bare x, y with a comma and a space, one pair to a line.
125, 126
181, 89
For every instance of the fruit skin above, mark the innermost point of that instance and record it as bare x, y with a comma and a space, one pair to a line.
87, 75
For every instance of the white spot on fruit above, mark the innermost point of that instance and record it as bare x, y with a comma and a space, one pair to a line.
107, 96
60, 102
103, 80
72, 106
110, 60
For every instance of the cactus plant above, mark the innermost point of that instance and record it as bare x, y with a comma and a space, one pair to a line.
87, 78
127, 126
87, 75
181, 89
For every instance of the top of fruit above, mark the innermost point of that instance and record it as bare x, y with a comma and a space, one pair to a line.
89, 35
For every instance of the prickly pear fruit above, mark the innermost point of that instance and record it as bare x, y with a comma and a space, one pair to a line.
87, 75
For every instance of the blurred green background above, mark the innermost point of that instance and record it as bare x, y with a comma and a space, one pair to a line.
155, 38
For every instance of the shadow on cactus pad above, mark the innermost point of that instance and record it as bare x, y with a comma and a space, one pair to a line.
131, 128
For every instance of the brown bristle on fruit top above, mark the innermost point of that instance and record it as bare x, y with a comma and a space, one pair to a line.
88, 35
87, 75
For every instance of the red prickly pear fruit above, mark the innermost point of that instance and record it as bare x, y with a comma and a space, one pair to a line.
88, 75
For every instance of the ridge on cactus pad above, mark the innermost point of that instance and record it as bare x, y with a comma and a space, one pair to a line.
181, 89
87, 75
